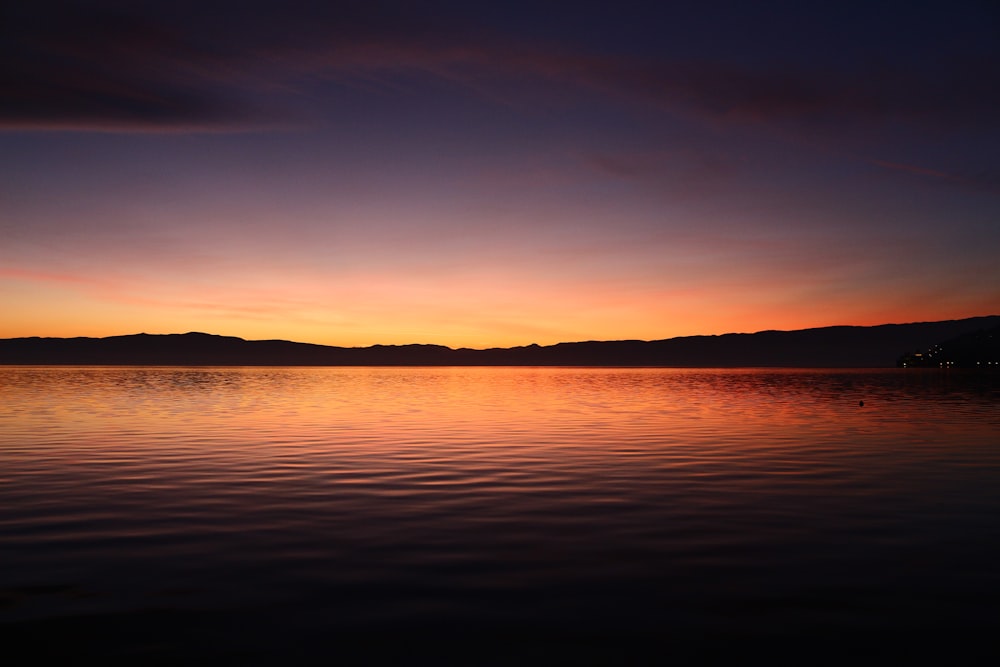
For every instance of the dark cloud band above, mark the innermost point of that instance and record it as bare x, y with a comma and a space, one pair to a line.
226, 66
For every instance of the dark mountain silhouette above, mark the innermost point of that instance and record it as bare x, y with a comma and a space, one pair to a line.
975, 349
827, 347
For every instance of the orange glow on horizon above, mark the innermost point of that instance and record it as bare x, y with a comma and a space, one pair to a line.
478, 314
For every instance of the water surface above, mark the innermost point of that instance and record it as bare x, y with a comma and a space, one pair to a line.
495, 515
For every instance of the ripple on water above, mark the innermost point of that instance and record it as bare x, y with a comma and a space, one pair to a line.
579, 501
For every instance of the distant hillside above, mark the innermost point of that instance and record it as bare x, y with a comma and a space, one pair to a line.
975, 349
827, 347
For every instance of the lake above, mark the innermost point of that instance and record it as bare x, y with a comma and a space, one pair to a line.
497, 515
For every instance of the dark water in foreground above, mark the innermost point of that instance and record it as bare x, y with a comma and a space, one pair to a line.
497, 515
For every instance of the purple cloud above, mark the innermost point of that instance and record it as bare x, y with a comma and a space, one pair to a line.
224, 66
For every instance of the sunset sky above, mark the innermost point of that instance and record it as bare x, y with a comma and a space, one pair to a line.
495, 174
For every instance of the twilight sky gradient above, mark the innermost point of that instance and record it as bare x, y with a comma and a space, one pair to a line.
353, 173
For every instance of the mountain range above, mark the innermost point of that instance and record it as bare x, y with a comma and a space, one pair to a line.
826, 347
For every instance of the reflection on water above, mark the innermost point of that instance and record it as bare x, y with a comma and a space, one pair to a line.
274, 512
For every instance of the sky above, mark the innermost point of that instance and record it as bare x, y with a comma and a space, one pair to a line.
495, 174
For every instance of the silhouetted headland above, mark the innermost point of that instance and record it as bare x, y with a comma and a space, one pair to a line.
826, 347
975, 349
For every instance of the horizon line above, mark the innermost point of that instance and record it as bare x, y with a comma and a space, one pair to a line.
568, 342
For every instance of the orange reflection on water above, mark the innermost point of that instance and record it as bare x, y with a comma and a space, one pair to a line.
490, 418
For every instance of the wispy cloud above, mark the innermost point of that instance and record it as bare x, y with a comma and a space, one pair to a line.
983, 180
226, 66
913, 169
73, 279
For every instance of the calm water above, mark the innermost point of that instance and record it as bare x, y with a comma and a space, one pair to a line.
495, 515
